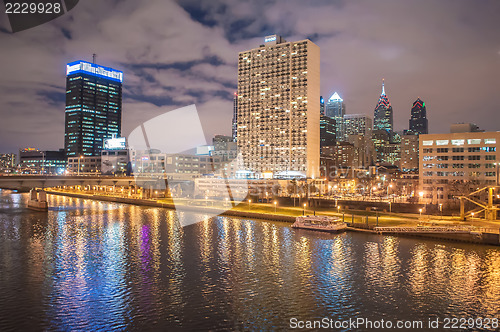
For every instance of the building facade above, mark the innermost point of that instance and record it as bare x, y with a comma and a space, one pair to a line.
279, 107
457, 164
327, 130
357, 124
114, 157
234, 129
7, 162
93, 107
84, 165
418, 121
409, 153
34, 161
383, 115
335, 109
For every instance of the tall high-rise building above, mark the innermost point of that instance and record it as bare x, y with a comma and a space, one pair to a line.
279, 107
335, 108
93, 107
235, 117
383, 117
327, 130
357, 124
409, 153
418, 121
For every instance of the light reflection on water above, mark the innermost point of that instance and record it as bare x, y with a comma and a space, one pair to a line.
93, 265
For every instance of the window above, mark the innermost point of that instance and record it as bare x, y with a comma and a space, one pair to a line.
474, 141
460, 158
474, 149
474, 165
490, 157
457, 142
442, 165
490, 173
442, 150
442, 142
442, 158
428, 150
474, 157
490, 141
458, 149
428, 173
458, 165
427, 143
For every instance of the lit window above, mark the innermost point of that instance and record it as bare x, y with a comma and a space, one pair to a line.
457, 142
427, 143
490, 141
442, 142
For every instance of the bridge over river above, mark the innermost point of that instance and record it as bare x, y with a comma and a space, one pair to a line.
27, 182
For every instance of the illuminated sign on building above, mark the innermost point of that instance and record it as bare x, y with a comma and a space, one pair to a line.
118, 143
93, 69
270, 39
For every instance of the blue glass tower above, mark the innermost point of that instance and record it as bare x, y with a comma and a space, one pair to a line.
93, 107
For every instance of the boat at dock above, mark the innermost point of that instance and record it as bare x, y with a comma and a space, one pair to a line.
38, 200
320, 223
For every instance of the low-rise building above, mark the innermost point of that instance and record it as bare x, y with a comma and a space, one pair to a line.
84, 165
457, 164
7, 162
34, 161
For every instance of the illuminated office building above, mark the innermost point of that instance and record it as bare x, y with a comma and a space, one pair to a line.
327, 130
93, 107
383, 117
335, 108
279, 107
457, 163
418, 121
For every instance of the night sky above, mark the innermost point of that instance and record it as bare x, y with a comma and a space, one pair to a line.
174, 54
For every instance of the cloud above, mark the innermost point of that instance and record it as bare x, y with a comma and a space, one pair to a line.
178, 53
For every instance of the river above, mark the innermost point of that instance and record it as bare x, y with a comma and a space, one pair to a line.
89, 265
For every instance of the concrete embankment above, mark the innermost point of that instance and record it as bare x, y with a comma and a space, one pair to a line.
469, 237
199, 209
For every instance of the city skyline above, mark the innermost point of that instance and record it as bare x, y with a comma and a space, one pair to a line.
194, 60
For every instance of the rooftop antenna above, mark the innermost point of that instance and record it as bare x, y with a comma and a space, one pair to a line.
94, 56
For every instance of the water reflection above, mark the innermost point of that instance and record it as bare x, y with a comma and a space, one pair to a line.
94, 265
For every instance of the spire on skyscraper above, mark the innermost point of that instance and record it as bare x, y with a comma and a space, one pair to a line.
383, 88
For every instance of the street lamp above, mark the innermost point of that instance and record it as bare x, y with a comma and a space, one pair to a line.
304, 210
249, 201
420, 210
275, 203
206, 200
441, 209
338, 208
389, 186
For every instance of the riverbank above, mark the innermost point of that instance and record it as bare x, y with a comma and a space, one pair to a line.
382, 225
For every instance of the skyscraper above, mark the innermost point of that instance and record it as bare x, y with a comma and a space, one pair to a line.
418, 121
235, 117
383, 118
327, 130
357, 124
93, 107
335, 108
279, 107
